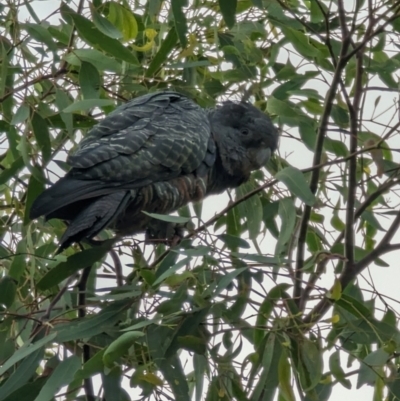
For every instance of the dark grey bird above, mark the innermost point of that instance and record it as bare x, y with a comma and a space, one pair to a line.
155, 153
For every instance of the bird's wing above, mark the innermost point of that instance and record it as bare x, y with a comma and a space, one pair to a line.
152, 138
156, 137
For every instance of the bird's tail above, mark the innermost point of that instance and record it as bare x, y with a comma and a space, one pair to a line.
67, 191
98, 215
89, 206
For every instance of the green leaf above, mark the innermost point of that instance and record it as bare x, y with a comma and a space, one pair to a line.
336, 147
165, 49
42, 135
24, 148
361, 331
104, 25
226, 280
62, 102
337, 370
152, 379
26, 350
174, 374
12, 171
74, 263
41, 34
123, 19
200, 366
313, 106
287, 214
192, 343
188, 328
168, 218
296, 183
270, 355
263, 315
180, 20
267, 260
91, 325
371, 367
28, 391
21, 115
8, 291
233, 225
300, 42
3, 68
285, 384
112, 385
336, 292
88, 104
353, 306
172, 270
315, 11
340, 116
251, 209
93, 366
35, 188
369, 216
336, 222
189, 64
62, 375
313, 241
228, 11
280, 108
120, 347
167, 262
200, 250
18, 264
312, 365
258, 3
89, 80
233, 242
96, 58
94, 37
22, 374
140, 325
394, 386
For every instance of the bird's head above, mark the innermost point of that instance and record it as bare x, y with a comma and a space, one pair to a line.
245, 136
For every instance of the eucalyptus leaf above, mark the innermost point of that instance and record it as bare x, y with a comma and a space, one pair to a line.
296, 183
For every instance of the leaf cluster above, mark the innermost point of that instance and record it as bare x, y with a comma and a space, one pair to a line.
266, 297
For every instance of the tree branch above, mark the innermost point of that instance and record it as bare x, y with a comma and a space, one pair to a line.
33, 82
322, 129
352, 179
118, 268
383, 247
349, 275
321, 266
87, 382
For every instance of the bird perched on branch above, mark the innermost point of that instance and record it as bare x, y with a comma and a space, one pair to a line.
155, 153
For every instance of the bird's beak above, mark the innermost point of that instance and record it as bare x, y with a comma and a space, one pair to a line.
261, 157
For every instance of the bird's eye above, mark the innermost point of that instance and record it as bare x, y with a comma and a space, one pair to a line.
244, 131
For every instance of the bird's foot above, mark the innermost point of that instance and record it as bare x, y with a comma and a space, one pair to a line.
161, 232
